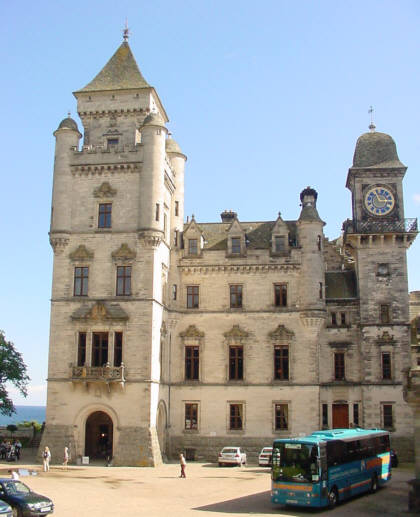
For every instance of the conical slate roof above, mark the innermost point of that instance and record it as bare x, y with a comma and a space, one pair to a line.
120, 73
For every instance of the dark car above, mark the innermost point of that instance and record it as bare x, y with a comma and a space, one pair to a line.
5, 510
394, 459
23, 501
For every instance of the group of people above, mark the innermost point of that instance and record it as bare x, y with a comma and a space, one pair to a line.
10, 451
46, 458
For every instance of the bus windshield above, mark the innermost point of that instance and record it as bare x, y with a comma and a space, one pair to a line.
295, 462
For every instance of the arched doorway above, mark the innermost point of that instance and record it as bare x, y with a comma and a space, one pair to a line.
99, 435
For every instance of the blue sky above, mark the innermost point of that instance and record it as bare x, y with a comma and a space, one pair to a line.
264, 97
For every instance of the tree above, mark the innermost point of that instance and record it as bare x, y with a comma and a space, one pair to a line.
12, 428
13, 370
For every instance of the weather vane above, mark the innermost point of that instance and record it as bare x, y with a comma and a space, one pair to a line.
126, 31
372, 126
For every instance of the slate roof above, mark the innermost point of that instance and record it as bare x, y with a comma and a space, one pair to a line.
120, 73
258, 234
376, 150
309, 213
340, 285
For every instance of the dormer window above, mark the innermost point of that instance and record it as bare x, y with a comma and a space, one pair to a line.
279, 243
112, 142
192, 246
236, 245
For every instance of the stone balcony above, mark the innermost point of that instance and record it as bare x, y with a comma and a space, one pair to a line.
106, 374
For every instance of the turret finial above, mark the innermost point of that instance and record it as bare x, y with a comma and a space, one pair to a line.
372, 126
126, 31
69, 113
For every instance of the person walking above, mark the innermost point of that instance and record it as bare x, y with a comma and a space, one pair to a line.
46, 458
14, 475
66, 457
183, 464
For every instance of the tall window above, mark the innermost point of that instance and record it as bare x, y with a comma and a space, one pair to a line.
174, 291
334, 319
81, 349
192, 363
236, 245
236, 363
384, 314
192, 296
321, 294
236, 417
339, 369
279, 243
280, 295
104, 219
192, 246
176, 233
81, 278
386, 366
387, 416
319, 243
99, 348
235, 296
281, 362
176, 208
191, 416
324, 416
118, 346
123, 280
281, 416
356, 414
157, 212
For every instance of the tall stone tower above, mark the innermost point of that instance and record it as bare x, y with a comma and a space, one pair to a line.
377, 238
116, 203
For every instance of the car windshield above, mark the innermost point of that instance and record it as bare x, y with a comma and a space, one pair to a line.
15, 487
229, 451
295, 462
267, 450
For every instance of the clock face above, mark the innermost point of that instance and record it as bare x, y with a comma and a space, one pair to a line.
379, 200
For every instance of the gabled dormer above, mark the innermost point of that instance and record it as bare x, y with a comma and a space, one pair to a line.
193, 239
236, 241
280, 238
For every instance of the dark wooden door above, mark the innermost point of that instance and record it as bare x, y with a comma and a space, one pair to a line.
340, 416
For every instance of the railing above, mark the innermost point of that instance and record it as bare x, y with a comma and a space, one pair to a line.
106, 373
406, 226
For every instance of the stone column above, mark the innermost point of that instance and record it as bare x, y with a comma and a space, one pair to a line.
413, 399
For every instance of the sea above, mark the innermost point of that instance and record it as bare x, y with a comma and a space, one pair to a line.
24, 413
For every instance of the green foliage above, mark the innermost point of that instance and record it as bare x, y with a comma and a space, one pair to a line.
12, 428
32, 423
13, 370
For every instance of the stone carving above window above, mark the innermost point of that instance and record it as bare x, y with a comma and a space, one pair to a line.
124, 252
100, 311
104, 191
385, 339
281, 333
81, 254
192, 332
236, 334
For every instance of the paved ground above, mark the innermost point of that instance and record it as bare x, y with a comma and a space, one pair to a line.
96, 491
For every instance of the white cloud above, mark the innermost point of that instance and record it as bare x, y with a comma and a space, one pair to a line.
37, 395
416, 198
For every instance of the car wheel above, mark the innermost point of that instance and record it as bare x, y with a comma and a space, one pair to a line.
374, 484
332, 498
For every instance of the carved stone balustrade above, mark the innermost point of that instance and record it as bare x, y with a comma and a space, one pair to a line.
99, 374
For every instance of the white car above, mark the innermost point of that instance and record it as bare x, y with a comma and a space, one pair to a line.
264, 459
231, 456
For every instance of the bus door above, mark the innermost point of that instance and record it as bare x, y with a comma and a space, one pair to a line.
323, 472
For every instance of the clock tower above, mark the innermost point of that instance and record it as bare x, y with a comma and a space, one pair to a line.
377, 238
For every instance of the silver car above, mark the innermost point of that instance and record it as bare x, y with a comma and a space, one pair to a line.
264, 458
231, 456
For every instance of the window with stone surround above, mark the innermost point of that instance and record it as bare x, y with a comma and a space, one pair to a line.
192, 246
236, 363
193, 295
386, 366
281, 362
281, 417
118, 348
236, 245
123, 281
191, 416
99, 348
235, 296
339, 366
387, 416
177, 208
192, 363
279, 243
324, 416
280, 295
105, 212
236, 418
356, 414
81, 349
81, 280
384, 314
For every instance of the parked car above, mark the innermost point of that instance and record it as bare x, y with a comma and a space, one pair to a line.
231, 456
394, 459
5, 510
23, 500
264, 458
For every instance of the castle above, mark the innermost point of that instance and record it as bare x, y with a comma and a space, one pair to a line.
171, 336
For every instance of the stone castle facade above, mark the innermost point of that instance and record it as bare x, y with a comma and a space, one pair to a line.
169, 335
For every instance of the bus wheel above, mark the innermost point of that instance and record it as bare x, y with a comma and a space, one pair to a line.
332, 498
374, 484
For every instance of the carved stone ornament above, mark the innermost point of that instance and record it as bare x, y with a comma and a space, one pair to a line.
163, 329
385, 339
236, 333
124, 252
100, 311
281, 333
192, 332
105, 190
59, 244
81, 253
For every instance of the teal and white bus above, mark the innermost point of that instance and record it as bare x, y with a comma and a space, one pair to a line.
329, 466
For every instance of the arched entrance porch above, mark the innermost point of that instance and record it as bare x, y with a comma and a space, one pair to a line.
99, 435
